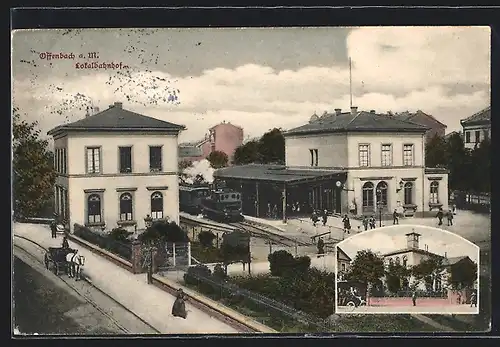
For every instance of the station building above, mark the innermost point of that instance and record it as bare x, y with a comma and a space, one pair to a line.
357, 162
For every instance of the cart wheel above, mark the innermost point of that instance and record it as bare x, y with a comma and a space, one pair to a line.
351, 306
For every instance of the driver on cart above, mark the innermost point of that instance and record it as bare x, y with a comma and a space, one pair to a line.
358, 298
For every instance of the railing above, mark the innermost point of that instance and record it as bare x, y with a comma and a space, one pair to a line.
273, 308
121, 249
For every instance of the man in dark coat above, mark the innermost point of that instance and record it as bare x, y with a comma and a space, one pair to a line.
65, 243
53, 229
395, 217
414, 297
347, 224
440, 216
365, 223
325, 217
321, 246
449, 217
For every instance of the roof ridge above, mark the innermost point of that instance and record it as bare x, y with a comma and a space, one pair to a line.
353, 118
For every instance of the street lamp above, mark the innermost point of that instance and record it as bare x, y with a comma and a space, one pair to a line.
379, 206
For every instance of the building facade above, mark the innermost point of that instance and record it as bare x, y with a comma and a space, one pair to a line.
116, 168
384, 159
476, 128
434, 126
223, 137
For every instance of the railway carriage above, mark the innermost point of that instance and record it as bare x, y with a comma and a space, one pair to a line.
190, 197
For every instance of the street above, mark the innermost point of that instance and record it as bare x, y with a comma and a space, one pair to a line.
445, 309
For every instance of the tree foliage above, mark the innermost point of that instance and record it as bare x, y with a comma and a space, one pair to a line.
235, 247
218, 159
367, 267
206, 238
396, 276
163, 232
270, 148
33, 169
435, 152
283, 263
463, 275
427, 271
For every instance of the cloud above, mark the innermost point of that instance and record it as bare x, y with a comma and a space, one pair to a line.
416, 72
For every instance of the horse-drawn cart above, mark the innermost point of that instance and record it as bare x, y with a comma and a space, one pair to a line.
57, 257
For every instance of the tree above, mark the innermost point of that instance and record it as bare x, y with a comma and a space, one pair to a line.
218, 159
160, 233
247, 153
427, 271
34, 175
367, 267
396, 277
235, 247
271, 147
435, 152
463, 274
183, 165
206, 238
456, 159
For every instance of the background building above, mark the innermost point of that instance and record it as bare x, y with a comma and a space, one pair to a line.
434, 126
346, 162
116, 167
223, 137
476, 128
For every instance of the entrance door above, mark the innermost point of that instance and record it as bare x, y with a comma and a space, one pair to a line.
337, 200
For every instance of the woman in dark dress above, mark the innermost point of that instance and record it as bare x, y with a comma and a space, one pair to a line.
179, 307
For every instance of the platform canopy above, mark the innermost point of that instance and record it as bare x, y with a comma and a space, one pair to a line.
277, 174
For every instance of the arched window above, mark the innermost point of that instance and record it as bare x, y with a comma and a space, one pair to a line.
368, 196
126, 206
408, 193
157, 205
398, 261
391, 261
94, 208
405, 260
382, 194
434, 198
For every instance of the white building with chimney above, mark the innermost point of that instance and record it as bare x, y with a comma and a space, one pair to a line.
115, 168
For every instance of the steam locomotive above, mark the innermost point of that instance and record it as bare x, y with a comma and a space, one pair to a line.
214, 202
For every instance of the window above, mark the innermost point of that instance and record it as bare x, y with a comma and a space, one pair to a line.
93, 160
312, 156
467, 137
316, 155
126, 206
398, 261
408, 193
157, 205
64, 161
125, 159
343, 267
408, 155
386, 155
94, 209
434, 198
368, 196
59, 160
364, 155
478, 136
382, 194
155, 158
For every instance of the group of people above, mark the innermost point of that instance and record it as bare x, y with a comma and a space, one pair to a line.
315, 217
442, 214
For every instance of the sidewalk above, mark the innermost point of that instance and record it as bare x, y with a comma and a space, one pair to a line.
148, 302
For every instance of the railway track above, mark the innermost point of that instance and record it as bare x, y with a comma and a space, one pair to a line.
264, 233
85, 297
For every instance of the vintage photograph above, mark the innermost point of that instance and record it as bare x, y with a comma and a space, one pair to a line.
407, 269
199, 180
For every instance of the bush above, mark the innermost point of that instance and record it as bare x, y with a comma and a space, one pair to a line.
302, 264
279, 262
120, 235
206, 238
193, 274
164, 232
219, 272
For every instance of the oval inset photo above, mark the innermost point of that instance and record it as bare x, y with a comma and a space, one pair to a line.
406, 269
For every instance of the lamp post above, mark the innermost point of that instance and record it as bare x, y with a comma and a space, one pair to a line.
379, 206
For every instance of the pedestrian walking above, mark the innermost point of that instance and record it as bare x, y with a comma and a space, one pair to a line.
459, 298
449, 217
65, 243
395, 217
347, 224
325, 217
440, 216
473, 299
314, 218
372, 222
53, 229
414, 297
321, 246
179, 307
365, 223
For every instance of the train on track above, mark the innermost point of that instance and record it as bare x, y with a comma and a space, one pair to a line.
217, 203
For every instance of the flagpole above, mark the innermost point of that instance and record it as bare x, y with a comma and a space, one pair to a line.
350, 81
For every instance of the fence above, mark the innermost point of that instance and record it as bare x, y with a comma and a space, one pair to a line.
266, 311
479, 202
121, 249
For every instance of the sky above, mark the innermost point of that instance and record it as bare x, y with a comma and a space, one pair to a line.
392, 238
257, 78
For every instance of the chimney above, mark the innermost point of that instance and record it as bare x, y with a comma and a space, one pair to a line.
372, 111
445, 255
111, 106
88, 113
118, 104
338, 111
354, 110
